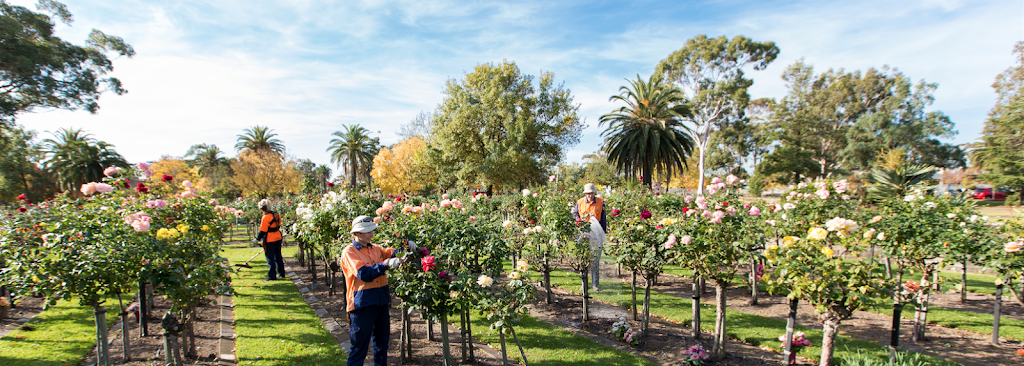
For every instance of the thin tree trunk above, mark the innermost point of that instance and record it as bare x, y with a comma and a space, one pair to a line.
504, 352
963, 282
547, 284
520, 345
102, 350
430, 327
921, 315
753, 280
586, 295
997, 312
787, 355
125, 342
718, 347
446, 352
647, 308
894, 336
633, 291
828, 342
403, 346
143, 311
695, 322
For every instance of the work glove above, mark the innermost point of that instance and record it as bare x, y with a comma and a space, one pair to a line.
255, 241
413, 247
392, 262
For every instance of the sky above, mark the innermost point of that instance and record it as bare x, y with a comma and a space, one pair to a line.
207, 70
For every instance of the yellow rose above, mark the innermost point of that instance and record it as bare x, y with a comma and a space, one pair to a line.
827, 251
789, 240
817, 233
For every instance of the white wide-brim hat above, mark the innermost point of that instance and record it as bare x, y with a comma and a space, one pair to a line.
263, 203
589, 188
363, 224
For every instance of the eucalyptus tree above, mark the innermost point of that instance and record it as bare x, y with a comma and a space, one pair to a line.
40, 70
259, 138
647, 135
710, 73
76, 158
354, 149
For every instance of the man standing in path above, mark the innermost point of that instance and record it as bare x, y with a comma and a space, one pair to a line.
365, 265
270, 235
592, 206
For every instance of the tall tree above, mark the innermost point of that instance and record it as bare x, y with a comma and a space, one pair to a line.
497, 127
19, 172
211, 164
597, 169
40, 70
322, 174
647, 135
394, 168
259, 138
710, 73
77, 158
1001, 149
354, 149
418, 127
262, 173
838, 121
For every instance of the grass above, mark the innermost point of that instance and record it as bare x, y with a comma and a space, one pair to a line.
273, 323
746, 327
966, 320
976, 282
549, 345
64, 334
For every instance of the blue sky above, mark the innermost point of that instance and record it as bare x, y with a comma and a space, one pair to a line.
206, 70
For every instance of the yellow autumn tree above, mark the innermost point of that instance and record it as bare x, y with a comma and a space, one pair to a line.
173, 167
397, 170
685, 178
262, 173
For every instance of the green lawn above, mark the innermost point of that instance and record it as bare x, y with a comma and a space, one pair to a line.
273, 324
549, 345
748, 328
981, 283
64, 334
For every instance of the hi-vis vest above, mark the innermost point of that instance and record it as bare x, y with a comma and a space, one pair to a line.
364, 275
588, 209
271, 225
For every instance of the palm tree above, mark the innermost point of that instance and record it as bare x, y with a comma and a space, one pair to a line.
259, 138
647, 135
76, 158
354, 149
322, 174
210, 159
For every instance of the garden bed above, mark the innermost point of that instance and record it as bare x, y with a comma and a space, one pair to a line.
148, 350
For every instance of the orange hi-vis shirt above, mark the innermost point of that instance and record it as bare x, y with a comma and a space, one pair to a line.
590, 208
271, 226
365, 275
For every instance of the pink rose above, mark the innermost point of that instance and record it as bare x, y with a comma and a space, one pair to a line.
110, 171
686, 240
89, 188
754, 211
671, 241
731, 179
716, 180
1014, 246
141, 226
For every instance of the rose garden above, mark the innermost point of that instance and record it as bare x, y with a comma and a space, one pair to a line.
835, 225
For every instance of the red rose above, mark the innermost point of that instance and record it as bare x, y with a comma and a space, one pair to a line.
22, 209
329, 185
645, 214
22, 197
726, 203
685, 209
167, 178
428, 263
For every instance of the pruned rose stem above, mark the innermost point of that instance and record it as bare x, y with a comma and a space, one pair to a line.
647, 306
632, 288
504, 353
921, 312
894, 337
446, 351
790, 327
695, 323
996, 313
828, 342
125, 343
718, 348
103, 350
963, 281
753, 280
520, 345
586, 295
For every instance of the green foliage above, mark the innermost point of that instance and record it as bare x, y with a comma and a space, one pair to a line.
18, 171
40, 70
647, 136
259, 138
903, 358
76, 158
497, 126
709, 71
354, 149
897, 181
1001, 140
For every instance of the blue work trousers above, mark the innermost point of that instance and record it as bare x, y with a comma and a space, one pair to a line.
273, 252
366, 324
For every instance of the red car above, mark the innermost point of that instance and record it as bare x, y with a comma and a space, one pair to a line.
989, 194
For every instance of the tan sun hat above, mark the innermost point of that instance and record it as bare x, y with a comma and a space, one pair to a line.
589, 188
363, 224
264, 203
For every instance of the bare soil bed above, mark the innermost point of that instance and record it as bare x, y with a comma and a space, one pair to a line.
148, 350
962, 346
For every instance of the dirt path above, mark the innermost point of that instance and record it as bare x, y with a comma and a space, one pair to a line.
962, 346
